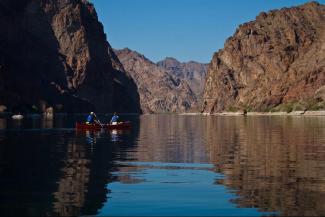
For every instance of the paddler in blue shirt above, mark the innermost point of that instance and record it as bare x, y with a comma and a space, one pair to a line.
92, 118
114, 119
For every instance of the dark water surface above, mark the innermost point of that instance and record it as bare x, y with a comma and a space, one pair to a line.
166, 165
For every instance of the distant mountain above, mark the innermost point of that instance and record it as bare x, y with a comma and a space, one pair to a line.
55, 53
276, 62
159, 89
192, 72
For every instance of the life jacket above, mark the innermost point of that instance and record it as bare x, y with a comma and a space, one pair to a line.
90, 119
114, 118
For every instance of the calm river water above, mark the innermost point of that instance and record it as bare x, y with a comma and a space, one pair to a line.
165, 165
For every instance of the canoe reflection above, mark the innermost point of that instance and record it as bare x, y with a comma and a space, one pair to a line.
116, 135
92, 135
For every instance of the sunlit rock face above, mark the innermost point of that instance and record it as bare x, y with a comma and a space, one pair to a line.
275, 60
192, 72
160, 91
56, 51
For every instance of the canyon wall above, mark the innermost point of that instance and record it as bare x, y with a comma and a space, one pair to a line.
192, 72
55, 52
275, 62
160, 91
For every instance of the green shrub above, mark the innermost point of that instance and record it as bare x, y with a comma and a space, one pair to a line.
299, 106
232, 109
314, 105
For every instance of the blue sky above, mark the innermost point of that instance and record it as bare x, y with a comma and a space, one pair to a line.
184, 29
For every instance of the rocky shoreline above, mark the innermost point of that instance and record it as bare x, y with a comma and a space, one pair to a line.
294, 113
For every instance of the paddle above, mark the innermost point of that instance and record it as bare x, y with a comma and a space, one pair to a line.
98, 121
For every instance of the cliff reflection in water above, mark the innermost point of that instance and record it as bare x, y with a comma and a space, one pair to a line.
273, 163
87, 170
56, 172
171, 138
72, 184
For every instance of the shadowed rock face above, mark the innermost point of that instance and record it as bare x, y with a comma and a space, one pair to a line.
56, 51
279, 58
192, 72
159, 90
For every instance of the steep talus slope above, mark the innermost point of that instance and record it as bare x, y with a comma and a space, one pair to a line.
192, 72
159, 91
278, 59
55, 52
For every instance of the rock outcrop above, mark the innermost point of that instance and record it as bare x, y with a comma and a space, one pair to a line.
278, 59
192, 72
160, 91
55, 51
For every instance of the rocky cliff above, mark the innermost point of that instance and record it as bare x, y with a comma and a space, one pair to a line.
274, 62
192, 72
55, 52
159, 90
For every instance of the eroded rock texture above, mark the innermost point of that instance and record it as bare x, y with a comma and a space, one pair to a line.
279, 58
160, 91
55, 51
192, 72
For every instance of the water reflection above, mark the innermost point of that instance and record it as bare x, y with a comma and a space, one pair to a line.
117, 135
29, 166
72, 185
47, 123
252, 165
169, 189
274, 163
57, 172
171, 138
3, 123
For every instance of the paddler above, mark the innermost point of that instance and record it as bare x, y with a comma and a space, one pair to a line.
92, 118
114, 119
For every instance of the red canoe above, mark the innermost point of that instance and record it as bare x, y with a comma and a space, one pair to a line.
119, 126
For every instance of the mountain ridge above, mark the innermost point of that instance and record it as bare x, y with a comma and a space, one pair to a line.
192, 72
160, 91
